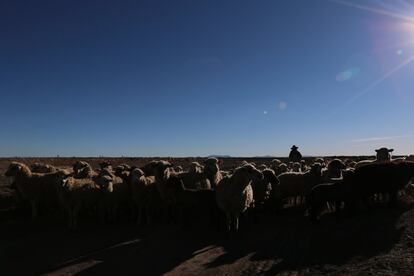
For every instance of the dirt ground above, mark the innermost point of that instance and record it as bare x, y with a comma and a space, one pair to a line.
379, 241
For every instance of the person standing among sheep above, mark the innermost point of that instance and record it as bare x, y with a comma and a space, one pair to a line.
295, 155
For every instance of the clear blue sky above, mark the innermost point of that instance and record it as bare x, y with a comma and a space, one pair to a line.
193, 78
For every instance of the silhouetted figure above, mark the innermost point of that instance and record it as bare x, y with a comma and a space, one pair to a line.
294, 154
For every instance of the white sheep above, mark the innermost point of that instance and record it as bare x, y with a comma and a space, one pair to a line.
234, 194
144, 194
195, 167
297, 184
296, 167
34, 187
42, 168
162, 172
76, 195
82, 169
115, 193
212, 171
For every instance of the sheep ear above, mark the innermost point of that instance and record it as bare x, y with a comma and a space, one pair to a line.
390, 150
376, 150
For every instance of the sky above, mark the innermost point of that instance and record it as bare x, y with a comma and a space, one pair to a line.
206, 77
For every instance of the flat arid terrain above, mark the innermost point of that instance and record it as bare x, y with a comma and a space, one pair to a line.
375, 241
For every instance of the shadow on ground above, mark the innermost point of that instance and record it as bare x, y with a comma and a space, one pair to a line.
288, 241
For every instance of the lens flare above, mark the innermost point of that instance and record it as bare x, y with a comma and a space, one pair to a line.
282, 105
348, 74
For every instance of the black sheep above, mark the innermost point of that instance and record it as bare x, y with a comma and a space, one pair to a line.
381, 178
192, 204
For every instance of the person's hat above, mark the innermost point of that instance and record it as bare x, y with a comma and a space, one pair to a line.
294, 147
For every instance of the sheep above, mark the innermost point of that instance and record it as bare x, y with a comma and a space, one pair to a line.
410, 158
42, 168
294, 184
82, 169
303, 166
105, 164
282, 168
276, 162
125, 167
34, 187
262, 188
324, 194
383, 155
195, 180
191, 203
162, 173
149, 168
333, 170
234, 194
77, 194
178, 169
195, 167
296, 167
244, 162
274, 165
123, 172
144, 194
114, 194
212, 171
381, 178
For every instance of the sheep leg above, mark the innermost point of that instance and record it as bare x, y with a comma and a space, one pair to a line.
236, 223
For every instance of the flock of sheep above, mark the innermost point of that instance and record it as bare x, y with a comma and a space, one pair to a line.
161, 191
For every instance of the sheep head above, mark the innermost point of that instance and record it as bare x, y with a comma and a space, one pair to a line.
105, 164
136, 174
211, 166
105, 183
384, 154
17, 169
270, 177
250, 172
79, 165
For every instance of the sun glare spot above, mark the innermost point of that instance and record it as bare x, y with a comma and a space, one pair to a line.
348, 74
282, 105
